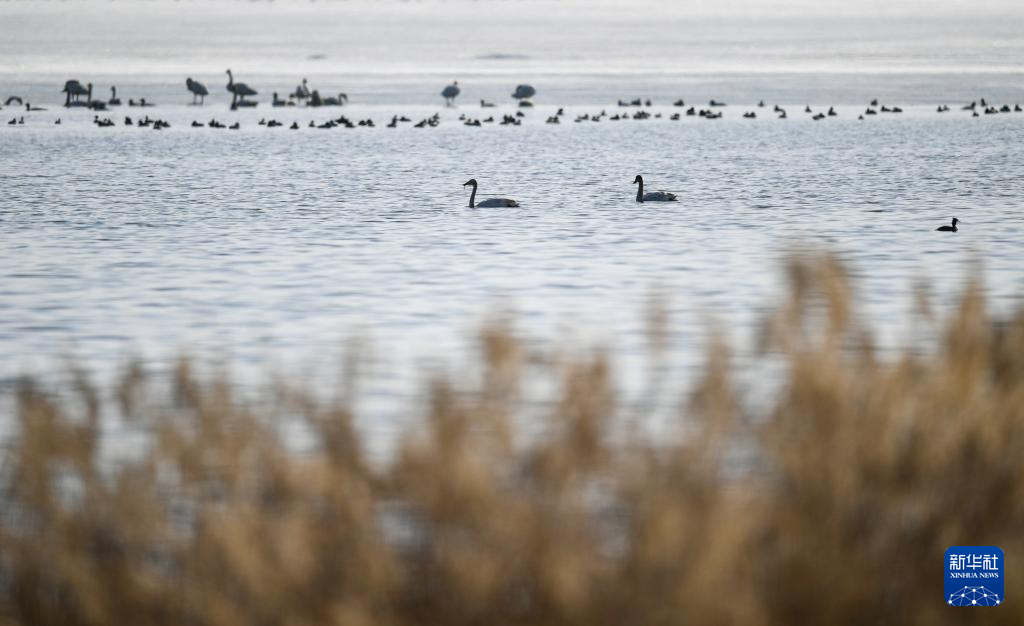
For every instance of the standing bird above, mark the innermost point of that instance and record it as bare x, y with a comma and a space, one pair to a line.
490, 202
301, 91
949, 229
198, 89
239, 90
450, 92
74, 91
654, 196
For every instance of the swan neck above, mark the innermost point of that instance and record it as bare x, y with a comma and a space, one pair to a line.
640, 191
472, 197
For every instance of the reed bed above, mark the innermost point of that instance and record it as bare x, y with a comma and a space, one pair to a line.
833, 503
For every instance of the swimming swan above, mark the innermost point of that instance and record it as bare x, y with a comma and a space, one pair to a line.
654, 196
490, 202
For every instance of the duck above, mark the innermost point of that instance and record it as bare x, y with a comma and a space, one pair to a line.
489, 202
949, 229
653, 196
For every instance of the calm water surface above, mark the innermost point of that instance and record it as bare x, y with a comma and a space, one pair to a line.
267, 249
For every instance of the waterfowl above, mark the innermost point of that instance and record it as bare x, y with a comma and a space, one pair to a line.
29, 107
301, 91
74, 91
8, 101
450, 92
486, 105
490, 202
114, 100
337, 102
198, 90
949, 229
653, 196
523, 93
239, 90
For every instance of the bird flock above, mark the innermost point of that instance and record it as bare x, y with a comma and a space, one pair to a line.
242, 94
79, 95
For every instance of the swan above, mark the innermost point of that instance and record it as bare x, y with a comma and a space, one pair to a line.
450, 92
301, 91
341, 100
114, 100
654, 196
240, 90
198, 89
949, 229
8, 101
490, 202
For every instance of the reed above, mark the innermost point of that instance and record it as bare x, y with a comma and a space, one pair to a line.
832, 503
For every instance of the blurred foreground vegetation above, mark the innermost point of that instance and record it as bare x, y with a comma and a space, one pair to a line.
831, 504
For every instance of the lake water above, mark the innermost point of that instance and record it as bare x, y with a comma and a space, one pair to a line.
268, 249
